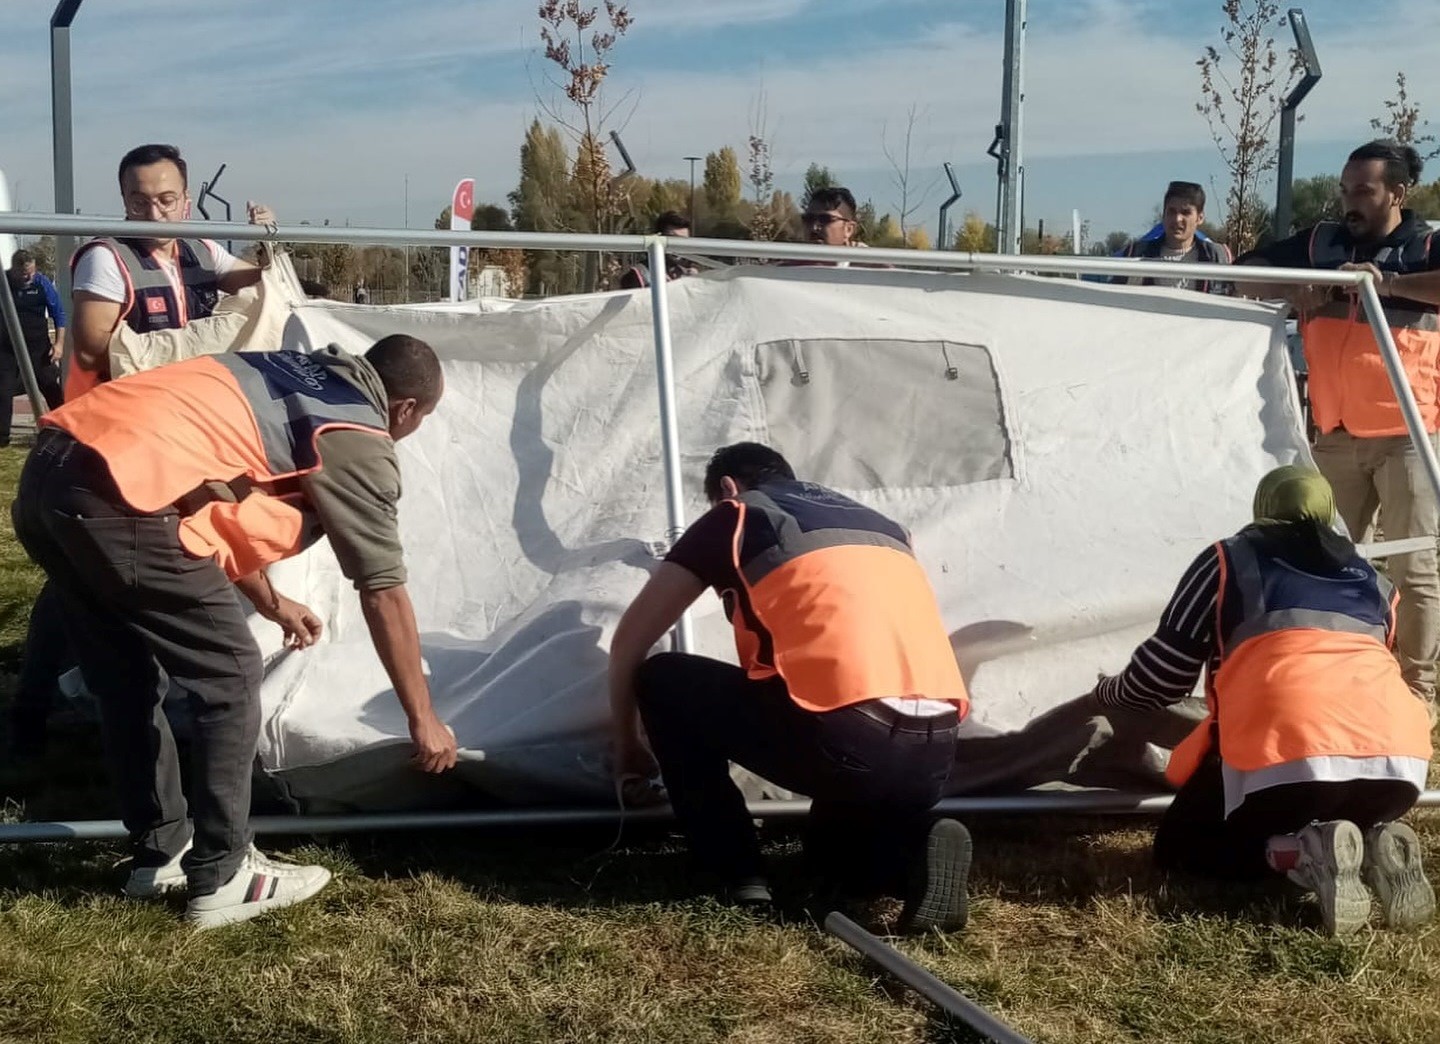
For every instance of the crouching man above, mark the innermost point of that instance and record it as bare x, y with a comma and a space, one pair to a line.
144, 499
1314, 746
847, 691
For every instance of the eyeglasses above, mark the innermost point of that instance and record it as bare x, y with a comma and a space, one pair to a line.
823, 220
141, 207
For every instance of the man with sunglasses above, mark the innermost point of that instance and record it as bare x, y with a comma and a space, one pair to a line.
829, 220
149, 284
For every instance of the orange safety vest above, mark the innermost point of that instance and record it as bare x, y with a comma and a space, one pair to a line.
1348, 384
835, 602
1305, 669
245, 422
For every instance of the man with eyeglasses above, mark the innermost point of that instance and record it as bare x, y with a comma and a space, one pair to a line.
149, 284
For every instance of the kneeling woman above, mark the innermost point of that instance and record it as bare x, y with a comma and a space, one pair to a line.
1314, 747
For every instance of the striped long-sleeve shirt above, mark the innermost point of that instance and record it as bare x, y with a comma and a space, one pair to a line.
1166, 666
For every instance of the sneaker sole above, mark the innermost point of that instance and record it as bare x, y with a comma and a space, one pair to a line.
154, 889
1393, 868
237, 912
943, 902
1344, 902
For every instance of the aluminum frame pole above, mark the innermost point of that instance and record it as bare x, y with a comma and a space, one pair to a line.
669, 429
62, 135
936, 991
1409, 408
16, 335
1047, 803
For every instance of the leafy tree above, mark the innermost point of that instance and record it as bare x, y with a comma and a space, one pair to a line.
1402, 122
1241, 106
816, 178
722, 184
975, 235
917, 239
1316, 199
1425, 201
541, 202
1115, 242
886, 233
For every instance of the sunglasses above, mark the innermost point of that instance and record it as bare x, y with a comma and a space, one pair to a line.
822, 220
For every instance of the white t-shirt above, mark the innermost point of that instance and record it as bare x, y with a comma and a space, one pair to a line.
98, 272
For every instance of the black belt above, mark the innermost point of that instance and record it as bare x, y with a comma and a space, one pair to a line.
878, 710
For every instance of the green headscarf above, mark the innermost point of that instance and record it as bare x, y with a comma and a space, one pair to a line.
1292, 493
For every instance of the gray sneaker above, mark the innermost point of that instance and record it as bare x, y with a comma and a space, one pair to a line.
1394, 870
937, 897
1330, 858
150, 882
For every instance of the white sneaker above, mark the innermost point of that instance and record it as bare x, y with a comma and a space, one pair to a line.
260, 884
150, 882
1393, 867
1331, 855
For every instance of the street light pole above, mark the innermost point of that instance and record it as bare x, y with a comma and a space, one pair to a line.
62, 141
692, 160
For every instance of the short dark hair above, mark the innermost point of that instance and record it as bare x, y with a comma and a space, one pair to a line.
1186, 193
749, 463
408, 367
144, 155
833, 198
670, 221
1402, 163
21, 258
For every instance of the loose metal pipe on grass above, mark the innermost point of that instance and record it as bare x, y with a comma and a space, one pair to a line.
939, 993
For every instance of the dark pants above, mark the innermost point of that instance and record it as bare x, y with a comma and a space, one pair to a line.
47, 376
871, 784
1195, 836
46, 656
135, 602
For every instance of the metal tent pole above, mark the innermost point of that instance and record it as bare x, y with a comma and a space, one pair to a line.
1409, 409
669, 429
941, 994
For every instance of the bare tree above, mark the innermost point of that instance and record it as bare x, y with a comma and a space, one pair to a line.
1241, 107
582, 56
911, 199
763, 225
1402, 122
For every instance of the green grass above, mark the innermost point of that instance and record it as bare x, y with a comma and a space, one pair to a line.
526, 936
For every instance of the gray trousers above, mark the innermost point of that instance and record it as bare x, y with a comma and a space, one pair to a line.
135, 602
1386, 474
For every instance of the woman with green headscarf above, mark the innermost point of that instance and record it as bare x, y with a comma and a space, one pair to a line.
1313, 746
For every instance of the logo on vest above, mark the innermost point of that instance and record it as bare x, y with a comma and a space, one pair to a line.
155, 305
299, 368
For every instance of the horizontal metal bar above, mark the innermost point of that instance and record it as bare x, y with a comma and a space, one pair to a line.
81, 225
1385, 548
936, 991
1086, 802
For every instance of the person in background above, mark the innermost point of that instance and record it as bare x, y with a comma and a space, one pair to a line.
1179, 240
670, 223
38, 306
1363, 447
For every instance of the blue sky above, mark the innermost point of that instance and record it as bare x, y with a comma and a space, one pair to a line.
324, 107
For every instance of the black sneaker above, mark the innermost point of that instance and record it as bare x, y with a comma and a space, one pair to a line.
936, 897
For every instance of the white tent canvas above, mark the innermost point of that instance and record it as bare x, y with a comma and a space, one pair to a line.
1059, 450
